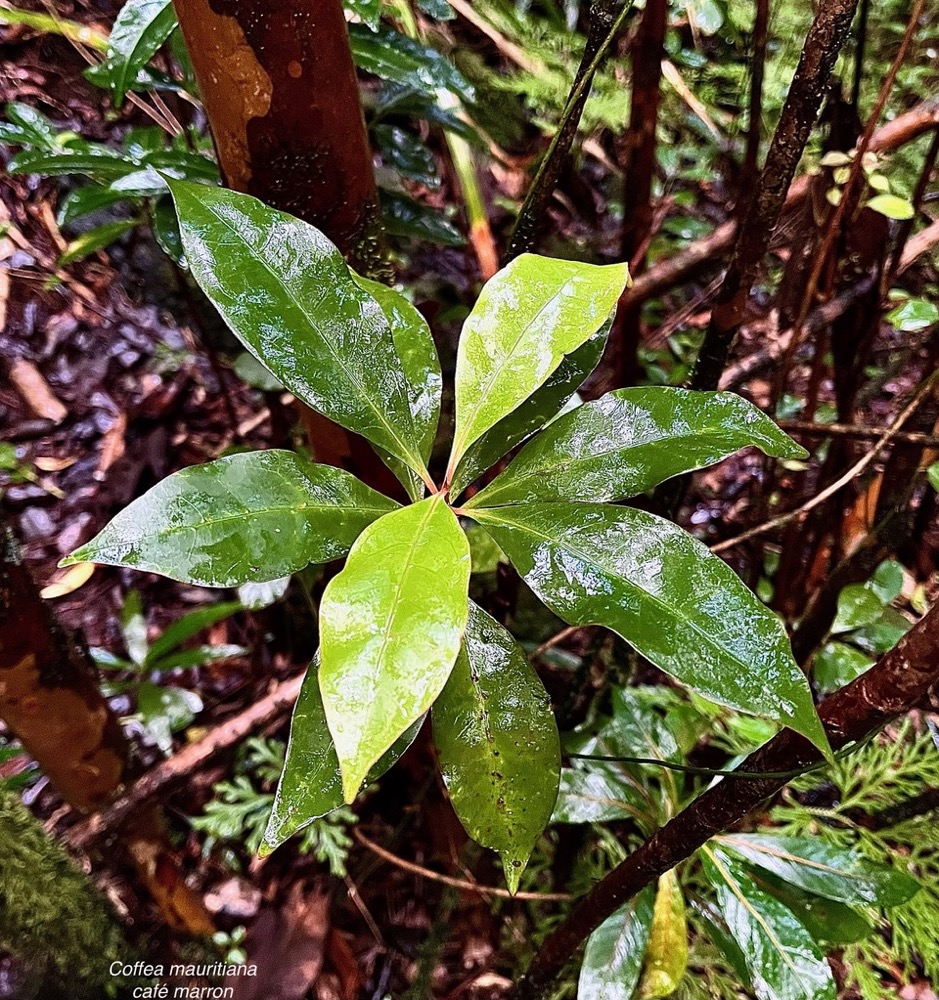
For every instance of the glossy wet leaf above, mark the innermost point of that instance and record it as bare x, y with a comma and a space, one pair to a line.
716, 929
837, 664
417, 355
391, 624
188, 625
166, 710
667, 950
887, 581
403, 216
892, 206
141, 27
311, 783
134, 628
239, 519
498, 744
287, 294
857, 605
368, 11
663, 591
526, 319
827, 920
596, 793
395, 57
615, 951
99, 238
543, 404
818, 867
84, 200
784, 961
630, 440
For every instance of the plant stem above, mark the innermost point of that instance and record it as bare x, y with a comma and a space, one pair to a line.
604, 28
889, 689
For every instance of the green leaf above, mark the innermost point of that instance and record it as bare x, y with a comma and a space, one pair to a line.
913, 315
85, 200
663, 591
716, 929
498, 744
887, 581
255, 596
98, 163
395, 57
667, 951
828, 921
784, 961
837, 664
190, 624
311, 783
368, 11
166, 710
615, 950
892, 206
134, 628
391, 624
405, 153
932, 474
27, 126
287, 294
406, 217
247, 517
819, 868
538, 409
139, 30
857, 605
596, 795
526, 319
439, 9
883, 634
96, 239
630, 440
417, 355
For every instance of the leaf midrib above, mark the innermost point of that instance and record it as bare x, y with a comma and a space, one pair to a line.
795, 859
406, 456
634, 587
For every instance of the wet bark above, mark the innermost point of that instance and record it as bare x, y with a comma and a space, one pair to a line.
279, 88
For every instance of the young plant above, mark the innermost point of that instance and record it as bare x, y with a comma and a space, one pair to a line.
398, 634
164, 709
772, 904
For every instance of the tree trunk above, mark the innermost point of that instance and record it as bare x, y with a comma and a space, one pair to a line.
280, 91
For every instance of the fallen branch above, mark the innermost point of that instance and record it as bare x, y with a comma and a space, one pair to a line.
897, 683
180, 766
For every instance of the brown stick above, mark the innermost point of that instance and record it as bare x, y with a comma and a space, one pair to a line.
858, 432
803, 102
178, 767
897, 683
280, 91
709, 250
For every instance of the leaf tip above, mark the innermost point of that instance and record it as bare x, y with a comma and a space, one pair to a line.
514, 868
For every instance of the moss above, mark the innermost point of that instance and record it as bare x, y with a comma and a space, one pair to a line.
51, 916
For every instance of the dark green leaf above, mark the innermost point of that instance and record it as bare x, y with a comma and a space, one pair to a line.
139, 30
190, 624
404, 152
439, 9
717, 931
198, 656
887, 581
258, 515
784, 961
85, 200
541, 406
615, 951
498, 744
663, 591
828, 921
395, 57
837, 664
287, 294
822, 869
166, 231
630, 440
596, 794
391, 624
28, 127
96, 239
409, 218
884, 633
526, 319
98, 163
311, 783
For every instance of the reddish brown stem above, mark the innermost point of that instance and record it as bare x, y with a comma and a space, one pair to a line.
897, 683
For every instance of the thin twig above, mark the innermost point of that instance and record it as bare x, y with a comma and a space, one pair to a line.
855, 470
456, 883
856, 431
555, 639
